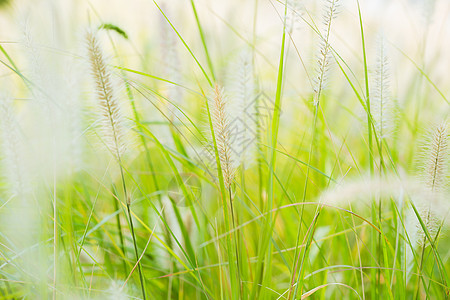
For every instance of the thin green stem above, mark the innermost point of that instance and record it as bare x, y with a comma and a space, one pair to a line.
119, 229
128, 201
233, 223
136, 251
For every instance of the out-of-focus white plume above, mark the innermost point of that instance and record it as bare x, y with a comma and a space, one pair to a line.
171, 64
241, 105
382, 109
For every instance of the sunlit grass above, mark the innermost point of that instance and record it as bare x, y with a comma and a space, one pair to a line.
260, 150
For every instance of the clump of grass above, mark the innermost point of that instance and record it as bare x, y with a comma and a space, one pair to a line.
259, 231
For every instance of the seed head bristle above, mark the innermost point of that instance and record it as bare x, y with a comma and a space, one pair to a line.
435, 179
294, 14
112, 122
323, 58
223, 137
382, 108
437, 156
242, 106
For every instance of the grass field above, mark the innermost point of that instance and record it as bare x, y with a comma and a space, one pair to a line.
261, 149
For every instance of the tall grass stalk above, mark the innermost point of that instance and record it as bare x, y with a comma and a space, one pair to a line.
113, 127
436, 178
296, 282
219, 127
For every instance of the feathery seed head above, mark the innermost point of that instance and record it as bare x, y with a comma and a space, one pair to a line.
435, 178
431, 205
382, 108
324, 56
111, 116
429, 218
331, 10
241, 105
294, 14
224, 138
436, 154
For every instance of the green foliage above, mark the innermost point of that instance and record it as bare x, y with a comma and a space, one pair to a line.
325, 207
115, 28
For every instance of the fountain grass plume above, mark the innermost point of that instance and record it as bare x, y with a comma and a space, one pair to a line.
323, 58
242, 108
294, 17
436, 158
382, 109
434, 175
221, 124
111, 117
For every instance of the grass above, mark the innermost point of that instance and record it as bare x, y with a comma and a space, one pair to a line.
146, 181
